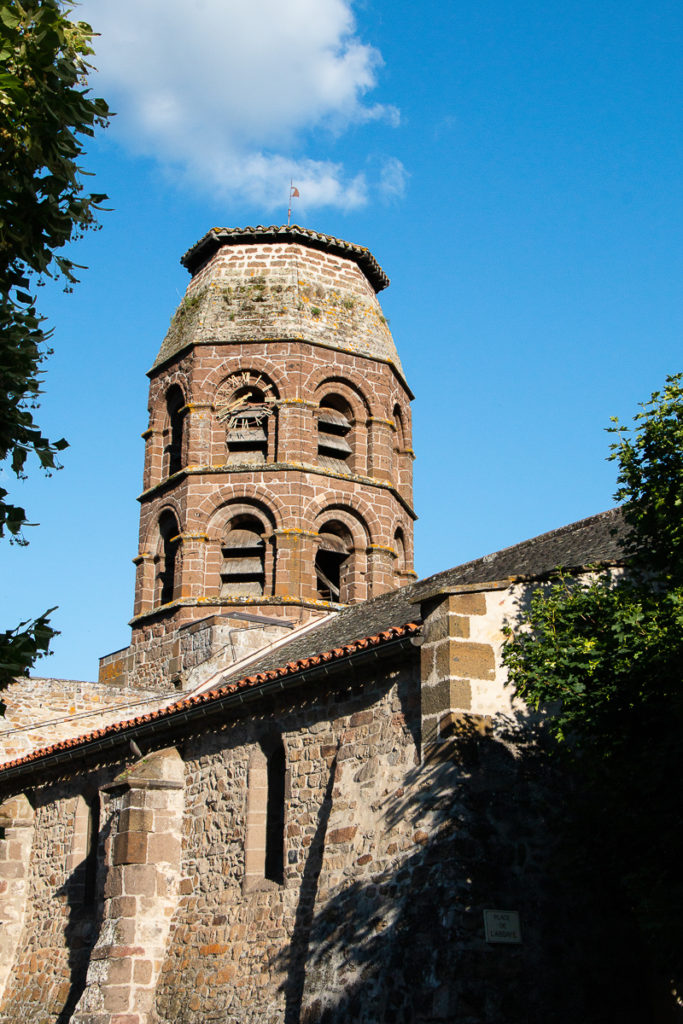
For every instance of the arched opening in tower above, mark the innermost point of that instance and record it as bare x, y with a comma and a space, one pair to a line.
243, 549
334, 427
170, 541
175, 402
248, 426
333, 562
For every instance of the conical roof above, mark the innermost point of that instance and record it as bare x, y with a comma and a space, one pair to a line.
281, 283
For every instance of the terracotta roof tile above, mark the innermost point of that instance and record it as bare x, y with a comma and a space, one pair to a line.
247, 682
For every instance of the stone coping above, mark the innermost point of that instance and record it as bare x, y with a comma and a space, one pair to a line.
198, 254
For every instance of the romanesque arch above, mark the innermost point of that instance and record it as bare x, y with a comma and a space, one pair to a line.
240, 556
341, 555
174, 455
246, 407
265, 814
168, 544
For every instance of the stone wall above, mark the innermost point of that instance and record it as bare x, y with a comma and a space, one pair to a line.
393, 849
165, 657
60, 919
40, 712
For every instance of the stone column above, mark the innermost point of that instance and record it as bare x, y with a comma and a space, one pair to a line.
17, 819
381, 446
191, 574
140, 894
450, 661
404, 484
297, 432
380, 569
154, 457
145, 579
197, 434
295, 564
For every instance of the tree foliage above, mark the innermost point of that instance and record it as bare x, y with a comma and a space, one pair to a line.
603, 657
46, 114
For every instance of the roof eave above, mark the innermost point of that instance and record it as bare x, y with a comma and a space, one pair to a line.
167, 726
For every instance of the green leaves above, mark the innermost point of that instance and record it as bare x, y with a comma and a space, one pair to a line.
603, 657
45, 113
650, 481
20, 647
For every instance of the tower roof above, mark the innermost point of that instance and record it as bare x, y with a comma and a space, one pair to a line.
198, 254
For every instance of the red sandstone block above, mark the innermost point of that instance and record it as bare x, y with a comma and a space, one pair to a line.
361, 718
213, 949
342, 835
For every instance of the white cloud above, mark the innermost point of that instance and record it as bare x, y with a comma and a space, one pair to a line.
393, 179
226, 92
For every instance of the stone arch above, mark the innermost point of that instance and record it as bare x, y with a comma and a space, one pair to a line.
342, 426
240, 559
399, 424
400, 547
151, 543
215, 509
322, 383
356, 507
341, 556
174, 430
245, 405
254, 363
264, 844
167, 551
159, 389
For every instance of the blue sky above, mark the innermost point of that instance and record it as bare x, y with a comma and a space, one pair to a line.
516, 170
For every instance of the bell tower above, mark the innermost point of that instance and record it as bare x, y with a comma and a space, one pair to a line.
278, 461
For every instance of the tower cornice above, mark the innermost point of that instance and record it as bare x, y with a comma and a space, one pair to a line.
202, 251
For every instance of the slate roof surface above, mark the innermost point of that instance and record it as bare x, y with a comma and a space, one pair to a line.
585, 542
197, 255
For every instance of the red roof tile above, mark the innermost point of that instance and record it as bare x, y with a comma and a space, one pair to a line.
247, 682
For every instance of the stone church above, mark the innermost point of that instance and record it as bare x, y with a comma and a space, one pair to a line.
303, 793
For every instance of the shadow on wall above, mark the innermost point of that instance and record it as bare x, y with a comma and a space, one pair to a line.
491, 827
84, 894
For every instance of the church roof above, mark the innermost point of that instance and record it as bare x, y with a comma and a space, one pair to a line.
374, 626
198, 254
592, 541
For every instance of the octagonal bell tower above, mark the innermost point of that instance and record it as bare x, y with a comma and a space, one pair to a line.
278, 463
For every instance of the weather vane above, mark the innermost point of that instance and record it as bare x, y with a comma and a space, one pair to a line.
293, 194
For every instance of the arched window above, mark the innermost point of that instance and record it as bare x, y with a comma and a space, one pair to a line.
400, 432
335, 418
170, 540
243, 566
400, 549
175, 403
90, 879
265, 826
275, 815
332, 562
246, 403
84, 847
